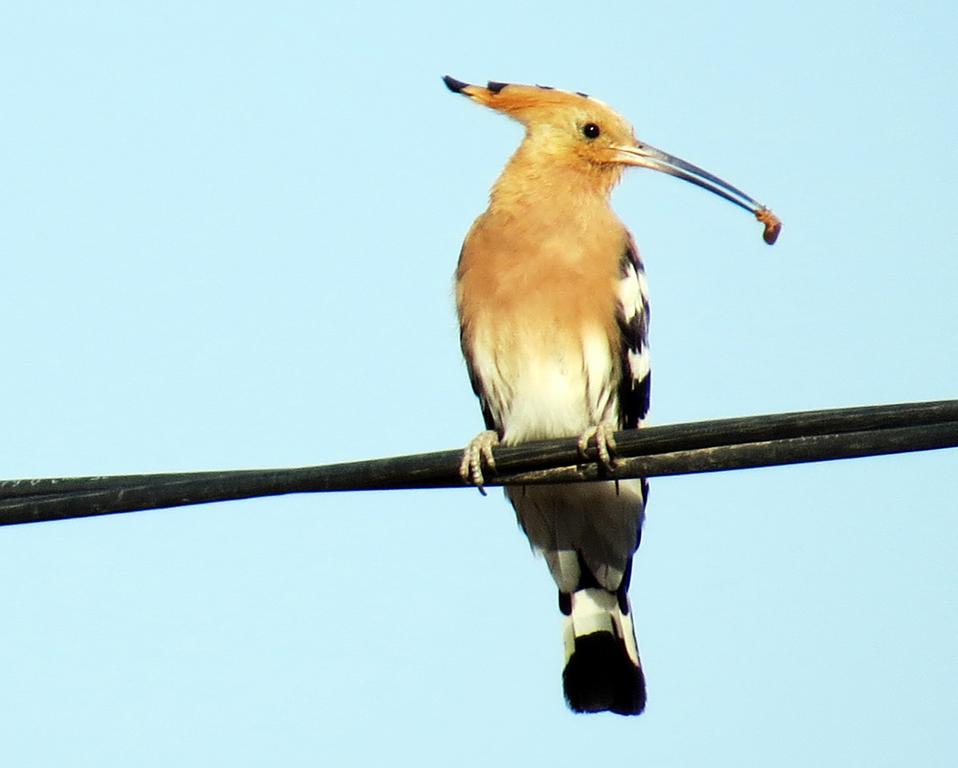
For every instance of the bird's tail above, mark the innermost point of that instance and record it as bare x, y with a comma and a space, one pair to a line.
602, 669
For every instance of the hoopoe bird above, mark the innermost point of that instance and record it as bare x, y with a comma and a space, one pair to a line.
554, 318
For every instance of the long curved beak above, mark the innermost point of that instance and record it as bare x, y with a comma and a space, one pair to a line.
645, 156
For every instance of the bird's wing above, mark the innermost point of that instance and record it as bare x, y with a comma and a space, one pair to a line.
633, 318
476, 382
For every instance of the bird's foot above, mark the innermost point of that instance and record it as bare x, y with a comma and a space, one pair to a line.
603, 434
479, 449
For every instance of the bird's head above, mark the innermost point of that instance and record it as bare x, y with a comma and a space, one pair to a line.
563, 129
575, 131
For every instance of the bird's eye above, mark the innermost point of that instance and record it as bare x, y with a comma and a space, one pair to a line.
591, 131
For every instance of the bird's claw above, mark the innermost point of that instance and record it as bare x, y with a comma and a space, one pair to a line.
604, 436
478, 450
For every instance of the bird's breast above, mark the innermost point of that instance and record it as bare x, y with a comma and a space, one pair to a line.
539, 327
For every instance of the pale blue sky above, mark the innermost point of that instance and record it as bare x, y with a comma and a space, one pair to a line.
227, 234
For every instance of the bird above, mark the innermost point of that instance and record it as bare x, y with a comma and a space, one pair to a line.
553, 309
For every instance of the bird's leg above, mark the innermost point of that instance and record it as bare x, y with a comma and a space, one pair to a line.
479, 449
603, 434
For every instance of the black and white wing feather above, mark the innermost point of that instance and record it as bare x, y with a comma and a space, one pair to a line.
633, 317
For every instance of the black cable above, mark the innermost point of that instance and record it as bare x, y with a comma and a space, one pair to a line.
709, 446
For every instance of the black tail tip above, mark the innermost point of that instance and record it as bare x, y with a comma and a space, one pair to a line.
454, 85
600, 677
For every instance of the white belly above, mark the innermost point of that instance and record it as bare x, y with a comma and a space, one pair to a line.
548, 400
542, 385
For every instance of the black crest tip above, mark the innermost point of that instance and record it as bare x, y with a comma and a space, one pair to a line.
583, 95
495, 87
456, 86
